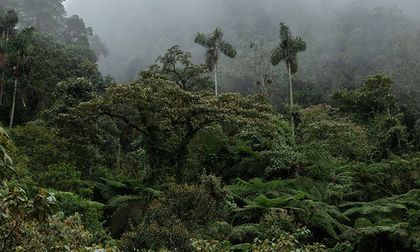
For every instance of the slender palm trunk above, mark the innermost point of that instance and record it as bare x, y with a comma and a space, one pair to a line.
12, 113
215, 81
292, 121
263, 89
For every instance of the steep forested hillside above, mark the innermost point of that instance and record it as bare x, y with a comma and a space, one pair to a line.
252, 136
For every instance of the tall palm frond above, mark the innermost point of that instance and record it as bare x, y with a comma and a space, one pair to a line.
227, 49
288, 49
11, 18
215, 45
8, 22
22, 42
203, 40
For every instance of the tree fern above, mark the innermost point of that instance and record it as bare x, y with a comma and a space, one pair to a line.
386, 219
257, 186
394, 207
308, 209
374, 209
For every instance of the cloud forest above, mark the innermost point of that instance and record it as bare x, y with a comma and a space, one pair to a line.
210, 125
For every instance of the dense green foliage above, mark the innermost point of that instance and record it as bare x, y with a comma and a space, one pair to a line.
162, 164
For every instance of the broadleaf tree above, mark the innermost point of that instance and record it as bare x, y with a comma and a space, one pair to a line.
176, 65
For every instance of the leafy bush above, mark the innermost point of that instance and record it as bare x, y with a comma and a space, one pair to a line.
30, 224
41, 144
53, 177
322, 130
183, 211
59, 234
91, 213
286, 243
6, 162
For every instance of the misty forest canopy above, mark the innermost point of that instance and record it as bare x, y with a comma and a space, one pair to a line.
198, 125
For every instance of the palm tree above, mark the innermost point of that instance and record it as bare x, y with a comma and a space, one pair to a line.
287, 51
21, 50
8, 22
215, 45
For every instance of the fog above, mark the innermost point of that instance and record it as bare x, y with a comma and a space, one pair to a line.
137, 31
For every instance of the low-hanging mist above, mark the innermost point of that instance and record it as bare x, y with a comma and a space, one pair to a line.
138, 31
